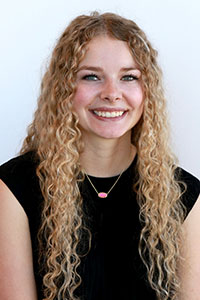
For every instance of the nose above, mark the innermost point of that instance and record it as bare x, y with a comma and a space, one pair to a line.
111, 91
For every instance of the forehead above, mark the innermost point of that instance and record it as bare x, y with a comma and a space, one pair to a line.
103, 48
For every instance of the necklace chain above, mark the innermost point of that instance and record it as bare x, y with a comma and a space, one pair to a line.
103, 194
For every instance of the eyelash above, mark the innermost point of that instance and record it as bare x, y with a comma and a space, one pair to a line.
133, 77
90, 76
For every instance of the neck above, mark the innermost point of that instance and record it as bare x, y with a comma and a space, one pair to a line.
106, 158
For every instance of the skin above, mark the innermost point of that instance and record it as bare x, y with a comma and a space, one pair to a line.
190, 266
16, 267
108, 80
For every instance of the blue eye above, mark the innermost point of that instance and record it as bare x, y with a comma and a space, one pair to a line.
129, 78
91, 77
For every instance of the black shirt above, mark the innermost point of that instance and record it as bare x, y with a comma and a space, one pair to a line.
112, 269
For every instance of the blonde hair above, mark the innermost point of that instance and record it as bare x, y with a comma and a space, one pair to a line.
55, 136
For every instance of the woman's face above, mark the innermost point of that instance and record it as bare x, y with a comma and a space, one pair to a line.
109, 95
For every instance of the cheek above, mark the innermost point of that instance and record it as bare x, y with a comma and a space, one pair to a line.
78, 100
137, 98
82, 98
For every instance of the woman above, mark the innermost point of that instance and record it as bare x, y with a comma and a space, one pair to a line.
96, 183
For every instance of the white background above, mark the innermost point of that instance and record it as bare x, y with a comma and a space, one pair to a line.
28, 32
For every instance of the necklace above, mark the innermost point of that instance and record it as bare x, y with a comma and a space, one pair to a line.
103, 194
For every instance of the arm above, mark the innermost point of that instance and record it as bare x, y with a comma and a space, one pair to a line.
16, 267
190, 267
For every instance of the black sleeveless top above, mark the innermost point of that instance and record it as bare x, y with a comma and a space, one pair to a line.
112, 269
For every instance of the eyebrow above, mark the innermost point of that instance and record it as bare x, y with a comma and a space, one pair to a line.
98, 69
130, 69
92, 68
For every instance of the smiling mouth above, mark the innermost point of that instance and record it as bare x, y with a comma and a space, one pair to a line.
108, 114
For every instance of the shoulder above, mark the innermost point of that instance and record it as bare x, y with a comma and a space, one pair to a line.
190, 266
191, 181
20, 168
19, 175
19, 164
192, 185
15, 240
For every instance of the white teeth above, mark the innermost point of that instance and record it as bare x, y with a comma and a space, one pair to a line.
108, 114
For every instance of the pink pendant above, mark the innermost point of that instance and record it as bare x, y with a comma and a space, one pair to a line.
102, 195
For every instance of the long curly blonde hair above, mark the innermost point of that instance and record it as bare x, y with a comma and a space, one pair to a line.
55, 136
